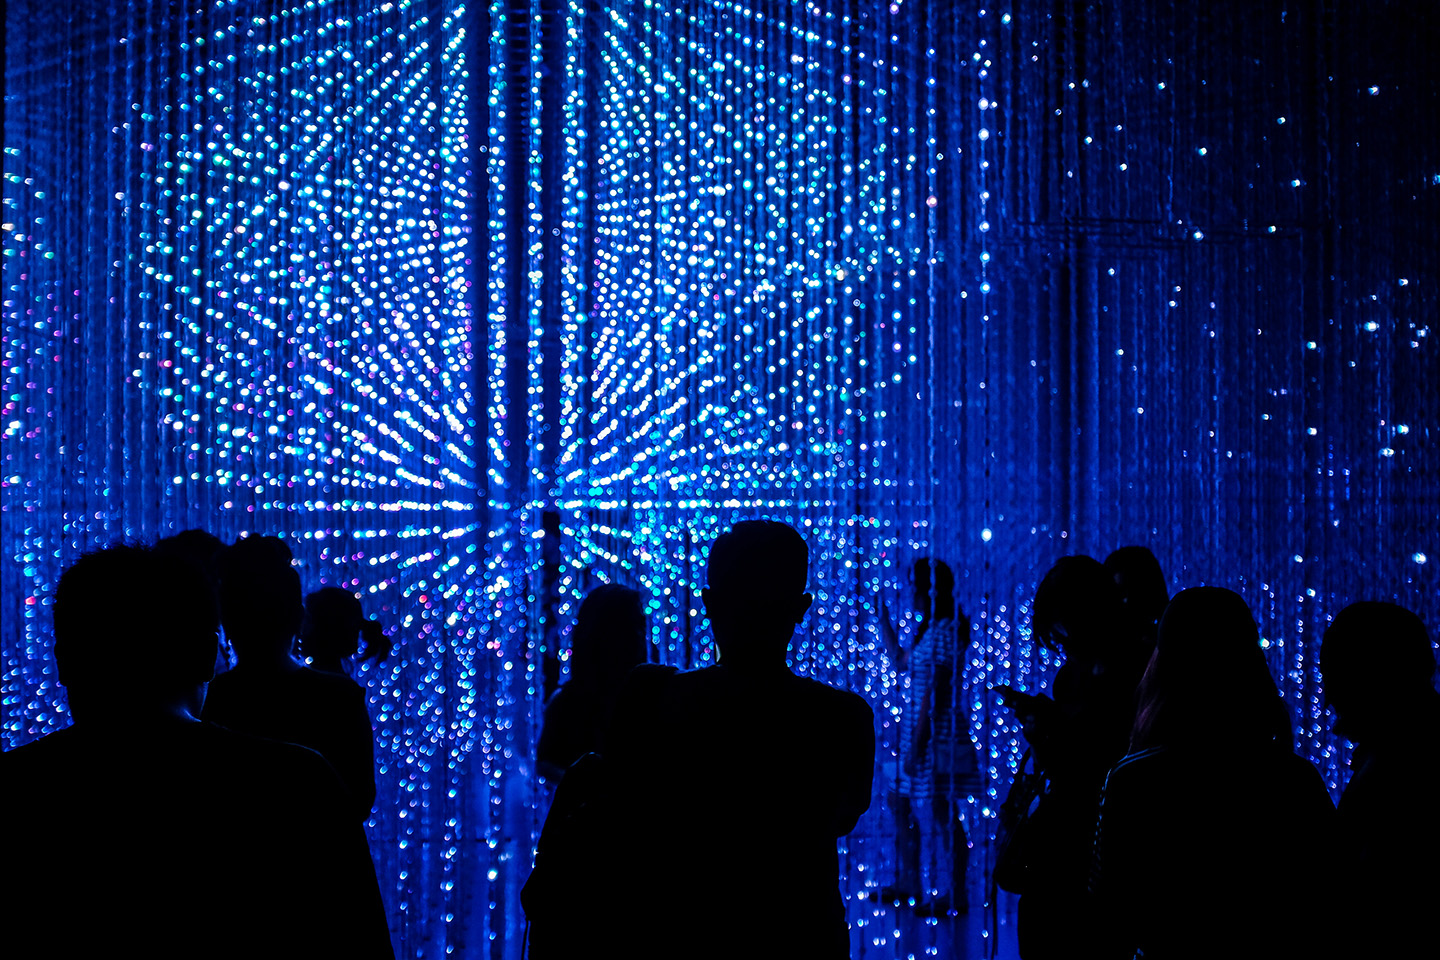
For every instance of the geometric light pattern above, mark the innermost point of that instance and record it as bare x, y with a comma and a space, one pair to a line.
480, 306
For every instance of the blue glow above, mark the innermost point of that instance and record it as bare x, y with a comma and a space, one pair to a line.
406, 281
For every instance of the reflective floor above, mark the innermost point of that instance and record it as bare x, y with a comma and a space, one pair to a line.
879, 928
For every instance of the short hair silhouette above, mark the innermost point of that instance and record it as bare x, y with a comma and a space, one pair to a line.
609, 634
1210, 678
132, 620
261, 601
759, 558
1077, 606
199, 547
1377, 646
756, 588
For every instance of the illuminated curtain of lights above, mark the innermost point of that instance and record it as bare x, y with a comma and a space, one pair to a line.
238, 272
480, 306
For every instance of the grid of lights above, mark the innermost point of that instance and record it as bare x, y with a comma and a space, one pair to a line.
745, 233
479, 306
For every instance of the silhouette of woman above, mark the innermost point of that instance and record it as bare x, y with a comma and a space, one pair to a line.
608, 641
938, 764
1184, 869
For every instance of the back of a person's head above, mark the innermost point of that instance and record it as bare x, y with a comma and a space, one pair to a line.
333, 619
1209, 679
756, 582
1137, 575
133, 621
1376, 650
200, 548
609, 635
261, 603
1077, 608
935, 586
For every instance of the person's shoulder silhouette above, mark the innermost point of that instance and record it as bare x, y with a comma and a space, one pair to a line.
270, 694
607, 642
1378, 667
743, 774
147, 829
1188, 865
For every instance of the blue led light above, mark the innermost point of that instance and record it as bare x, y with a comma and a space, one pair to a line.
422, 284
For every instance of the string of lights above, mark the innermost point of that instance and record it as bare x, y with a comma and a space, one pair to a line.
480, 306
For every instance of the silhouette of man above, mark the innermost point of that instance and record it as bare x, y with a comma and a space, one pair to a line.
741, 776
271, 694
1378, 667
142, 829
202, 550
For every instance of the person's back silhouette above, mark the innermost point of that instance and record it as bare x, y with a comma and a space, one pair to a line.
1188, 866
742, 776
1378, 667
1143, 595
607, 643
1075, 739
271, 694
142, 829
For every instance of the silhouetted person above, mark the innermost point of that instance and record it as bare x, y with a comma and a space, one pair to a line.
333, 627
1076, 738
1143, 593
142, 831
607, 642
271, 694
1209, 840
1378, 667
938, 766
202, 550
736, 780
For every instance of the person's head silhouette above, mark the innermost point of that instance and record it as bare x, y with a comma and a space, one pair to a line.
1077, 609
261, 603
1210, 682
1141, 584
333, 626
135, 632
755, 593
934, 587
609, 636
1377, 664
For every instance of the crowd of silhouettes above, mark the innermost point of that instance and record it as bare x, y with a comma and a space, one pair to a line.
186, 812
714, 797
142, 828
1135, 849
